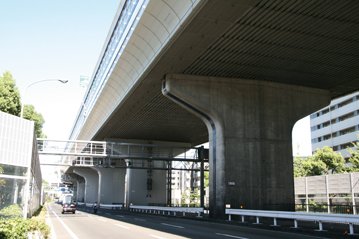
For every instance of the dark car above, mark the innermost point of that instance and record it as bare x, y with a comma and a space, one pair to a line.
69, 207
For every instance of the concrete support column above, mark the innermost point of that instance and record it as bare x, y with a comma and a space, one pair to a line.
80, 192
250, 136
91, 183
111, 185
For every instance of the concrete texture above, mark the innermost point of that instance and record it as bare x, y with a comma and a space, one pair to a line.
80, 190
111, 185
138, 192
91, 183
250, 134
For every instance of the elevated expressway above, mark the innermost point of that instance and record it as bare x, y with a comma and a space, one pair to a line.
236, 73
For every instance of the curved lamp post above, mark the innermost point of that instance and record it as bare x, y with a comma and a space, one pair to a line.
36, 82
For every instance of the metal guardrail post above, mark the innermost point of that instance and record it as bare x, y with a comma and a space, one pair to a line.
351, 229
295, 223
274, 222
320, 226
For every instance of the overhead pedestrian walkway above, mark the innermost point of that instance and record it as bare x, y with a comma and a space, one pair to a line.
91, 153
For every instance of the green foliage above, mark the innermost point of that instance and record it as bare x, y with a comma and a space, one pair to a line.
206, 179
10, 103
308, 167
17, 227
2, 181
194, 197
324, 161
354, 157
335, 163
11, 211
31, 114
9, 95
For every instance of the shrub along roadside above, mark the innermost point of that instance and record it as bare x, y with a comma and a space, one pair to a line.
19, 228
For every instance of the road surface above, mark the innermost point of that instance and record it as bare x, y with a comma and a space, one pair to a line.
115, 224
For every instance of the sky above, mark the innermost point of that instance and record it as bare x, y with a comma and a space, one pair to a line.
41, 40
45, 39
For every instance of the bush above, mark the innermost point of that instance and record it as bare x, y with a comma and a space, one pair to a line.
13, 226
11, 211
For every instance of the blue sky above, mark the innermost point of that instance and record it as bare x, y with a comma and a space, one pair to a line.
46, 39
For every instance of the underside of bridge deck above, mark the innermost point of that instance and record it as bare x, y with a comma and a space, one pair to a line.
312, 44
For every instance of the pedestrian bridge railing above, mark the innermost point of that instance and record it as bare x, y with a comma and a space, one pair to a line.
91, 153
319, 218
72, 148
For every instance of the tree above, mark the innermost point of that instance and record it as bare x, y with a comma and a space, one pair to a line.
335, 163
31, 114
10, 103
308, 167
354, 157
9, 95
324, 161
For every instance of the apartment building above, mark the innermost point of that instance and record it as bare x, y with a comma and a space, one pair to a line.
336, 125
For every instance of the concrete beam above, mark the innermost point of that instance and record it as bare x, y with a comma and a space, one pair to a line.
250, 136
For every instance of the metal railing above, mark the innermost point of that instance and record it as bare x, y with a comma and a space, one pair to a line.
91, 153
72, 147
297, 216
169, 210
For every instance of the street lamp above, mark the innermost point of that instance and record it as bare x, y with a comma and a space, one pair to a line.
36, 82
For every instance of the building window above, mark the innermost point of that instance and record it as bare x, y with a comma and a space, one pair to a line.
346, 102
347, 131
325, 111
325, 124
347, 116
347, 145
326, 137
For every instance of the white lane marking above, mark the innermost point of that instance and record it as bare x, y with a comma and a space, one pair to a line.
170, 225
227, 235
158, 237
49, 221
72, 234
139, 219
119, 216
122, 226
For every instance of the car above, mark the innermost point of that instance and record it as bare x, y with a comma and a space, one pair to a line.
69, 207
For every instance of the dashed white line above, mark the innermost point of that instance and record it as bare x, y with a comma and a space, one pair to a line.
170, 225
122, 226
119, 216
227, 235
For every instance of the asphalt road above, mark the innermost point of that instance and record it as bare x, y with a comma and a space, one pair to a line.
106, 225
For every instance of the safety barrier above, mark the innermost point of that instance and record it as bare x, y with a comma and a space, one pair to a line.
297, 216
103, 206
170, 210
